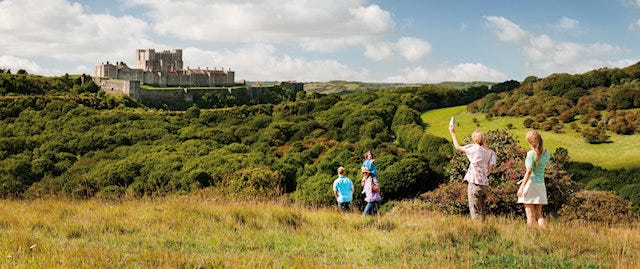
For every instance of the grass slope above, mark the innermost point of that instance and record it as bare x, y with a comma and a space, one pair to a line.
624, 152
196, 231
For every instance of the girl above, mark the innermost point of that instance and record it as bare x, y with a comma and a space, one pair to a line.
532, 192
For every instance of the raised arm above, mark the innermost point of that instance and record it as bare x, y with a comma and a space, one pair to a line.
456, 145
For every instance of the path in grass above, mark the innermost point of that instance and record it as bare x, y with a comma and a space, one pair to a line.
624, 152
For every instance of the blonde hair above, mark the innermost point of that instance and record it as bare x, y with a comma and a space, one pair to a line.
478, 137
340, 170
535, 141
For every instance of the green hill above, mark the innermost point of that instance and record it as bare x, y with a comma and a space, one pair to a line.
622, 153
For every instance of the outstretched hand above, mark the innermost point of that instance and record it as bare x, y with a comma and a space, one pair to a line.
452, 128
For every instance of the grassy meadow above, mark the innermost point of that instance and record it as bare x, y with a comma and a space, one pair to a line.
198, 231
624, 152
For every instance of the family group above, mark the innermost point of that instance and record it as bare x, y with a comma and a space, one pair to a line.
343, 187
532, 192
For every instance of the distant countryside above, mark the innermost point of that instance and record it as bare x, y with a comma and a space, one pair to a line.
91, 179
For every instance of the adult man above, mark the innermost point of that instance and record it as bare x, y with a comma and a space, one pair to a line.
343, 190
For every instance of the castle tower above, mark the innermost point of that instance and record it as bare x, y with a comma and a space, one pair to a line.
165, 61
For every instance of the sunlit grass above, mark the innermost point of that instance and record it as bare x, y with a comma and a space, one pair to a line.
624, 152
196, 231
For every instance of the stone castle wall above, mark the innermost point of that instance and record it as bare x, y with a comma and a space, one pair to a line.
184, 78
164, 61
132, 89
164, 69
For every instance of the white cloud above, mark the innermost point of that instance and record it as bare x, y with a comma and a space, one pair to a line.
16, 63
62, 37
413, 49
461, 72
260, 62
63, 30
379, 52
633, 2
324, 25
549, 56
567, 25
635, 26
409, 48
508, 31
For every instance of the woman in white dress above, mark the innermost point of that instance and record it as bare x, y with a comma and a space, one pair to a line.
532, 192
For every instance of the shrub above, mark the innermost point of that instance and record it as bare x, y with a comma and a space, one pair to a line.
528, 122
406, 179
597, 206
254, 181
449, 198
596, 135
111, 193
45, 188
316, 190
631, 193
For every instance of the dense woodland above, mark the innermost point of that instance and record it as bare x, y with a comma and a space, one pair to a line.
63, 137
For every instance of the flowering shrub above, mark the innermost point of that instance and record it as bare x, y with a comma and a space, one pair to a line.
598, 206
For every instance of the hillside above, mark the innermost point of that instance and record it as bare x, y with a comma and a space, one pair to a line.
63, 137
623, 152
345, 87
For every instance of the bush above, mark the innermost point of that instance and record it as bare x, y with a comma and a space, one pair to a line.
406, 179
111, 193
631, 193
254, 181
596, 135
449, 198
316, 190
598, 206
528, 122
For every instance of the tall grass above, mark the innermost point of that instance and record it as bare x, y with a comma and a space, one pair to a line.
622, 153
195, 231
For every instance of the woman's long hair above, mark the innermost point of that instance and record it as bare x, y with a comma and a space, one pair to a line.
535, 141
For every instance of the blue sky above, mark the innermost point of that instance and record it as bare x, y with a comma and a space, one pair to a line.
321, 40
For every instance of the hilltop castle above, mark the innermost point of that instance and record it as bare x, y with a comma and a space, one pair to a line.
164, 69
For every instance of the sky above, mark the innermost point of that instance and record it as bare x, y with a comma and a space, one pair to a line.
384, 41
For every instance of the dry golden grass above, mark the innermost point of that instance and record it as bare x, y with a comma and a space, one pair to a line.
196, 231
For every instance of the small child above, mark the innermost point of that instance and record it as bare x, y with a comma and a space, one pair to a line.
370, 163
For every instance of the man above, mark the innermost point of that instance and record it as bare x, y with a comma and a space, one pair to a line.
343, 190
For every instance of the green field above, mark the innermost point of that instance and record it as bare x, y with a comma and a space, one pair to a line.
624, 152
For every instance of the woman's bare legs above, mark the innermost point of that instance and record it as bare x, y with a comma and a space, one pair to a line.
538, 216
534, 214
529, 210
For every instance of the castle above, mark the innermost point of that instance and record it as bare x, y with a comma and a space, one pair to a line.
164, 69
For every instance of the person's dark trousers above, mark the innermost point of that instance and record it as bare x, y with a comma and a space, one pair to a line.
343, 206
370, 209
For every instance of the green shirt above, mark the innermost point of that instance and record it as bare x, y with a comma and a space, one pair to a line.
538, 170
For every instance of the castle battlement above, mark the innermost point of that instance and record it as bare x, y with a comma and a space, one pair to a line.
165, 69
